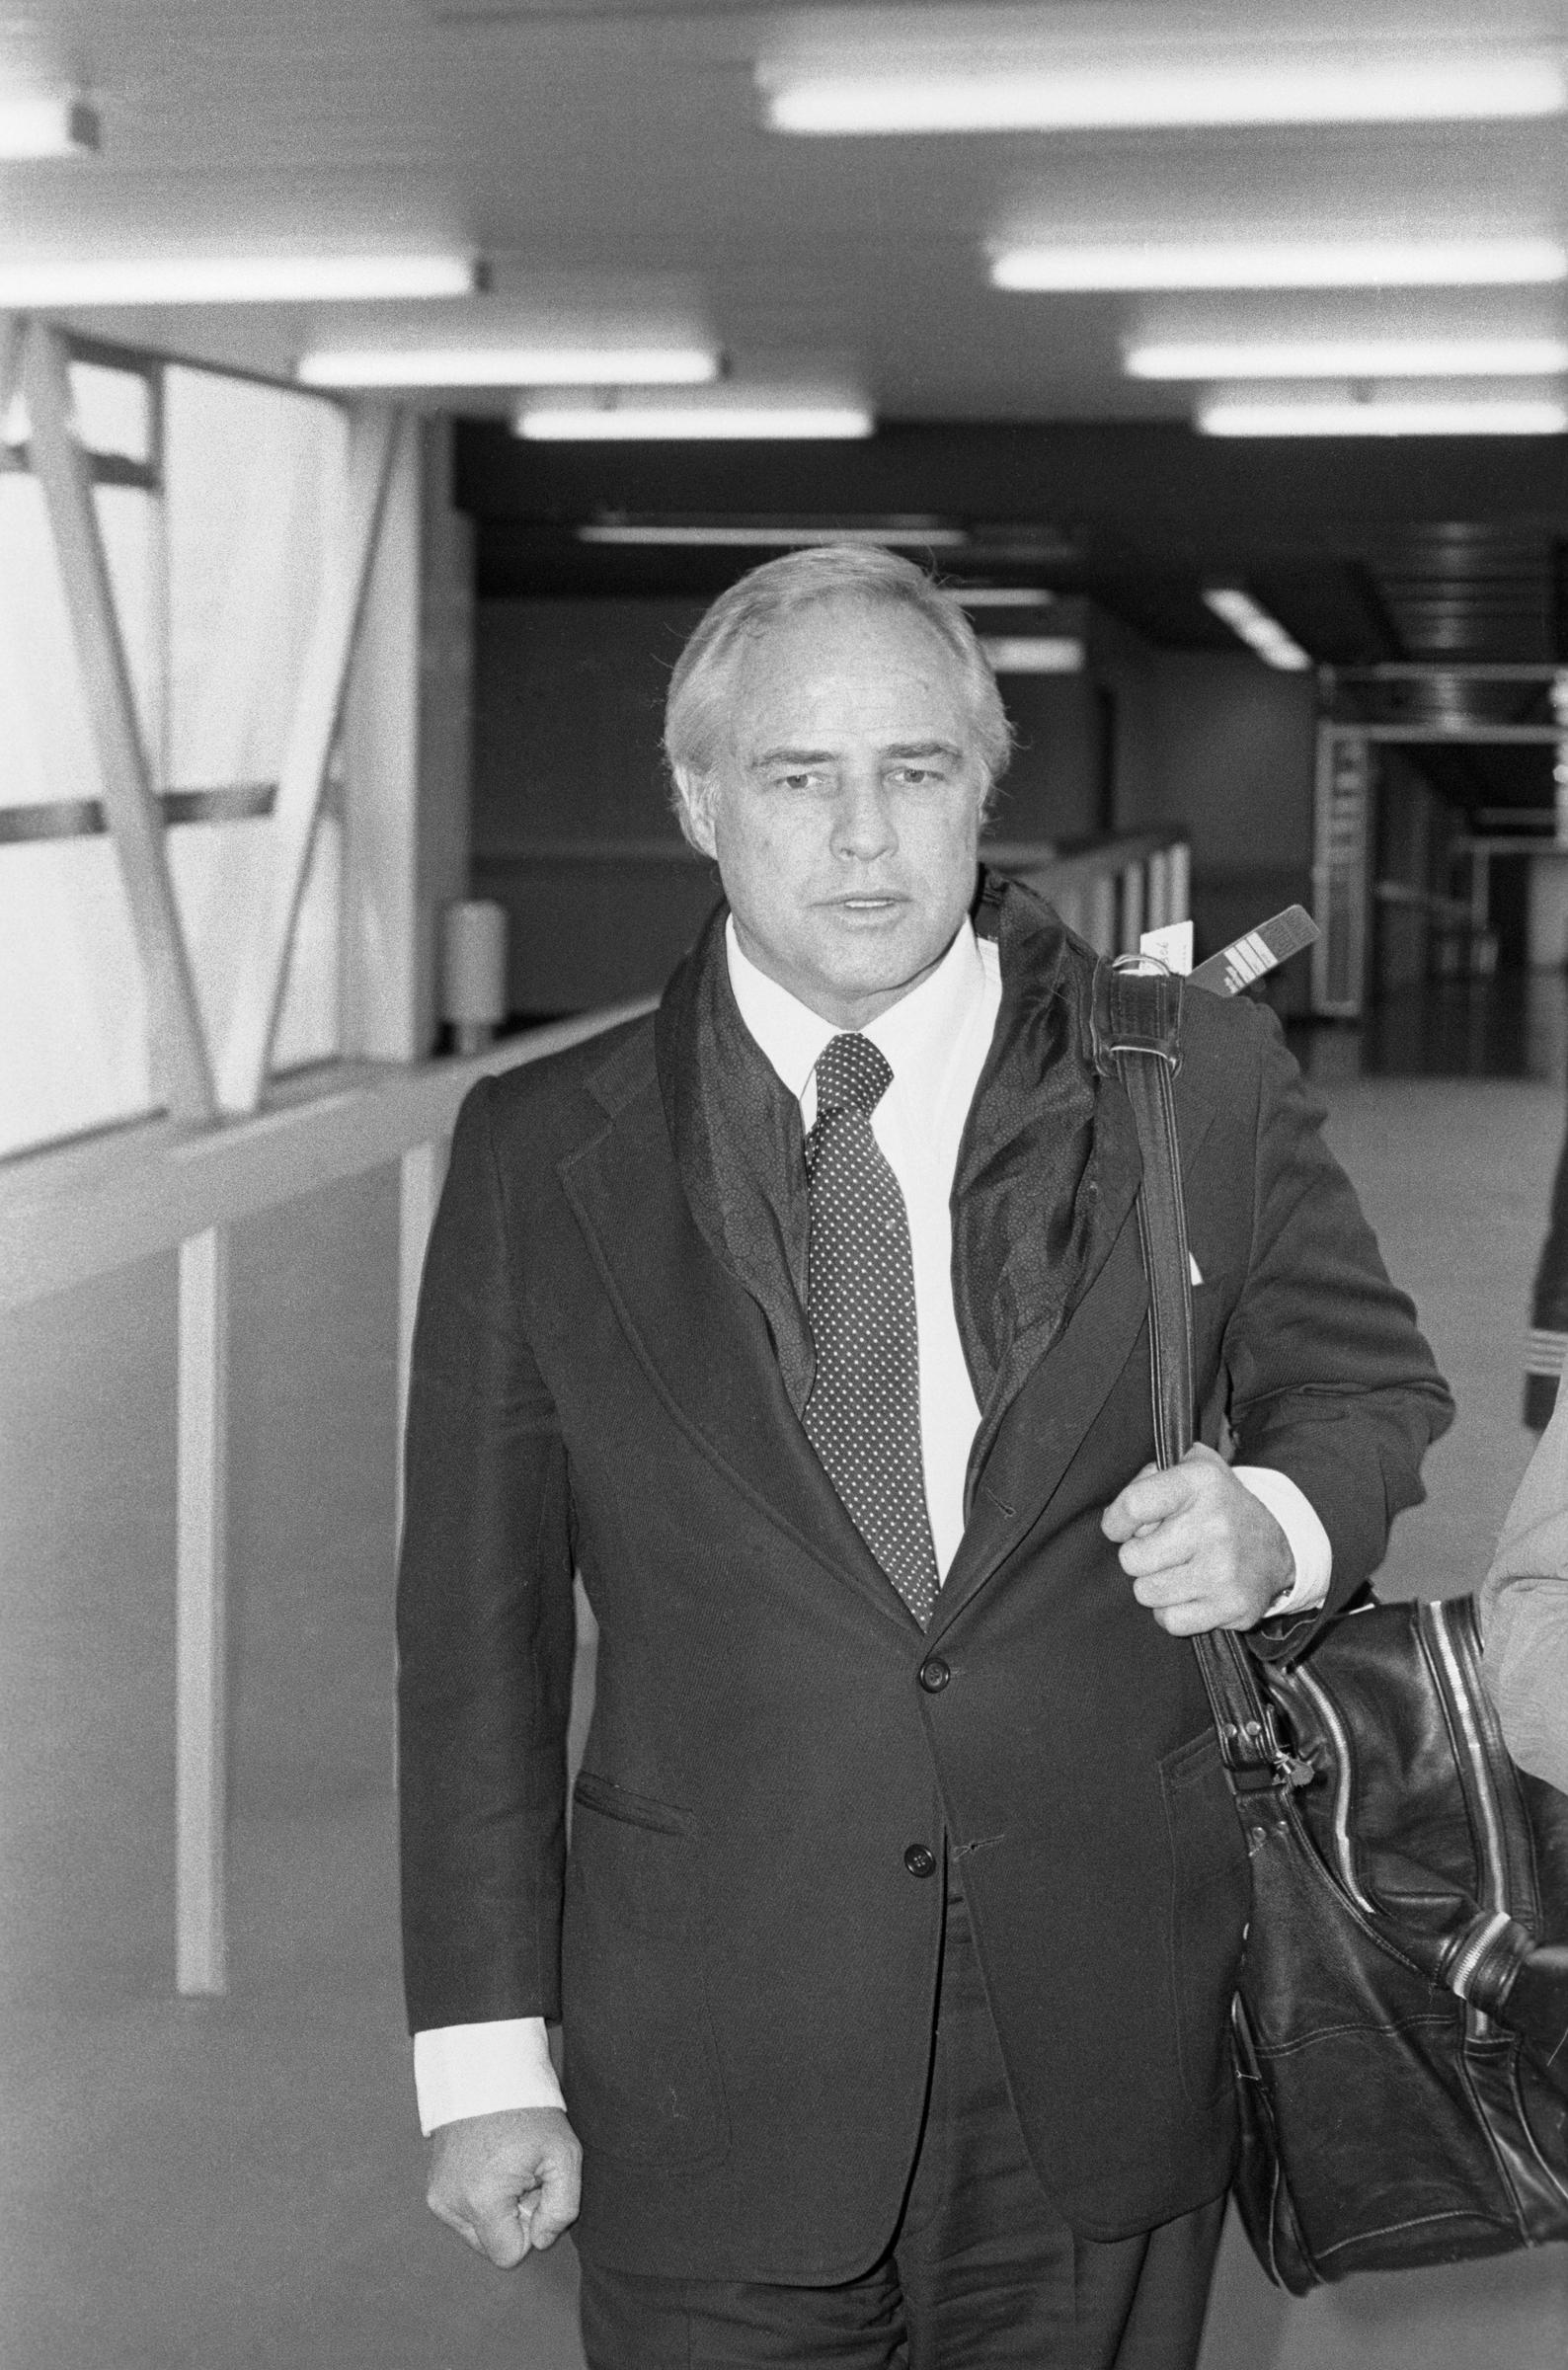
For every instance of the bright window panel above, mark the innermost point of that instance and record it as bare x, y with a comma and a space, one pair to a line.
46, 740
214, 582
112, 410
253, 480
73, 1021
46, 751
73, 1034
215, 868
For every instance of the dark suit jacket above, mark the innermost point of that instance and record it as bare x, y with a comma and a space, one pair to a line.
608, 1370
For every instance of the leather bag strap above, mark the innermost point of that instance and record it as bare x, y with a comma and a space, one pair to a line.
1137, 1008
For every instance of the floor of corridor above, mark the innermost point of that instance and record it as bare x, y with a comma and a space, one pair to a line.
236, 2184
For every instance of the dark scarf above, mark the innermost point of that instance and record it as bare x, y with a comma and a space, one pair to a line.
1024, 1193
735, 1130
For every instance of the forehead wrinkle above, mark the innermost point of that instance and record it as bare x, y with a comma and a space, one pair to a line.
789, 753
799, 752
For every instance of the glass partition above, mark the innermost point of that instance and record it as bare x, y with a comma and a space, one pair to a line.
215, 498
74, 1050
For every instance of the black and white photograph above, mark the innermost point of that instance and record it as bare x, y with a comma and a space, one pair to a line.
784, 1185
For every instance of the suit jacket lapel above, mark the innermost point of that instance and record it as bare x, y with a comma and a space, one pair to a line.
734, 1130
699, 1332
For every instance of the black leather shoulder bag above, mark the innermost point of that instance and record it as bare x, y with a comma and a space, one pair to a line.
1401, 2023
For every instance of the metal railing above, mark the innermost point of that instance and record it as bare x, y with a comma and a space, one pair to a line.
1112, 892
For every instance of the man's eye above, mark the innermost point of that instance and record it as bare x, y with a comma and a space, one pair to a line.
796, 781
916, 776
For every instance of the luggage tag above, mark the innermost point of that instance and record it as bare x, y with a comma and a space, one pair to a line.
1243, 961
1258, 951
1235, 966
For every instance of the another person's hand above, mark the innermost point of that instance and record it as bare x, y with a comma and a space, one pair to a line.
505, 2182
1200, 1551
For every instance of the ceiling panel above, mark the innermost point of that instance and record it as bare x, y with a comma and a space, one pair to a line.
612, 161
612, 140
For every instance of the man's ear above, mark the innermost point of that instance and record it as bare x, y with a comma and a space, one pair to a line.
696, 809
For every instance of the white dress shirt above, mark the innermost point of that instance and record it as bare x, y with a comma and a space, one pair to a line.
935, 1041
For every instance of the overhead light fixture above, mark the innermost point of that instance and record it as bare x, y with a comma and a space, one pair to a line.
1034, 654
511, 367
1263, 634
1382, 415
729, 415
47, 126
766, 535
1003, 597
1281, 264
1352, 358
1184, 91
44, 286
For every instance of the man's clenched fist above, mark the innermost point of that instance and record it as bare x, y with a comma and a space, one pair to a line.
1200, 1551
506, 2182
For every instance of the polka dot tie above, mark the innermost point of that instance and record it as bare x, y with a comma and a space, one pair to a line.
863, 1416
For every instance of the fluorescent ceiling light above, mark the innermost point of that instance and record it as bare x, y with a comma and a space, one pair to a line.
1353, 357
756, 417
1263, 634
1034, 654
233, 279
1314, 415
1005, 597
768, 538
512, 366
42, 127
1283, 263
1069, 98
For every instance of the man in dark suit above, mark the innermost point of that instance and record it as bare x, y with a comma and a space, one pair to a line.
807, 1322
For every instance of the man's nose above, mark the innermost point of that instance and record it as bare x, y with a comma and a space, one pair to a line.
863, 826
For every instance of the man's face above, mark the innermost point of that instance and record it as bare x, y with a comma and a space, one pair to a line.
844, 812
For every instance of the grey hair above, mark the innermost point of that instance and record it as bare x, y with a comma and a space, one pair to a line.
695, 710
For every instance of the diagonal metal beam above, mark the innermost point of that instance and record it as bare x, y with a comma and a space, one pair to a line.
263, 958
135, 819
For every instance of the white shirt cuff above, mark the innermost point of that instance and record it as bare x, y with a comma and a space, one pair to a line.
483, 2070
1307, 1537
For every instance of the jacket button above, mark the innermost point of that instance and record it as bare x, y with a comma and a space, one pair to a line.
934, 1675
920, 1859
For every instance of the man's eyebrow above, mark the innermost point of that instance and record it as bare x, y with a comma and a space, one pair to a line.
827, 757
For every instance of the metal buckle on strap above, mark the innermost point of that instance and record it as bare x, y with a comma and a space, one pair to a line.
1256, 1756
1138, 1009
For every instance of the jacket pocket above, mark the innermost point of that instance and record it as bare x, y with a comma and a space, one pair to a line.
1209, 1899
642, 2072
638, 1810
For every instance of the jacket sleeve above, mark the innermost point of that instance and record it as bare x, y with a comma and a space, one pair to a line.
1524, 1612
486, 1634
1330, 1382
